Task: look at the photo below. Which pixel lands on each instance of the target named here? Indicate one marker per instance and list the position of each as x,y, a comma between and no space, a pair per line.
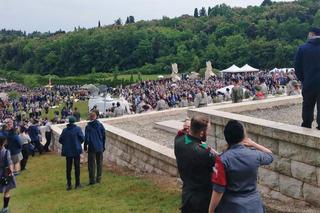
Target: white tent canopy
248,68
232,69
284,70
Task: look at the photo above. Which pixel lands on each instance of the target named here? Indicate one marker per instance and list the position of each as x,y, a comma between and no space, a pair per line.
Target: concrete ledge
294,174
170,126
290,133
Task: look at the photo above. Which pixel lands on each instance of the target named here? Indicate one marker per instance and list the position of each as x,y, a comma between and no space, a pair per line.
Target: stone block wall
294,174
128,150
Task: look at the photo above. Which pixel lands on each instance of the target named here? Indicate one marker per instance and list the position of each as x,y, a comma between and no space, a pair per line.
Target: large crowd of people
23,112
144,96
212,181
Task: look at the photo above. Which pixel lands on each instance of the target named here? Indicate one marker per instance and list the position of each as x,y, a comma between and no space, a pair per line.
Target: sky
52,15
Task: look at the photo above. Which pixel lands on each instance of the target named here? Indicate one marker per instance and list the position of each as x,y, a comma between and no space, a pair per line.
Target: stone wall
294,174
128,150
293,177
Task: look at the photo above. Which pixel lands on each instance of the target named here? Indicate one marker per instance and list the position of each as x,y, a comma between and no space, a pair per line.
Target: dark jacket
95,137
307,65
71,139
14,143
195,163
34,133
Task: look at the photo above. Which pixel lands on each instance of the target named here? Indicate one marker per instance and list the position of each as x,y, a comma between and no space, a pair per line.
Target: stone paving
145,128
283,114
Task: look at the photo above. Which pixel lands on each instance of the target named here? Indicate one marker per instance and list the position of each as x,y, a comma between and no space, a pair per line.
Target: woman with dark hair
235,174
7,179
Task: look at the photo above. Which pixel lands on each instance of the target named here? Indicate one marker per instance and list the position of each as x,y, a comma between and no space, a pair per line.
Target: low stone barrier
129,150
293,177
294,174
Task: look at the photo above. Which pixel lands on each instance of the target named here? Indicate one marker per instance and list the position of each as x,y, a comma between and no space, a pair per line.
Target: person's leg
99,158
25,154
77,170
68,171
91,167
48,141
38,146
6,199
17,168
309,101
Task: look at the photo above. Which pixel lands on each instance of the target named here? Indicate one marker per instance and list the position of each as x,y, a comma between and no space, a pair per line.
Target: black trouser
196,201
310,99
76,161
95,159
48,141
25,154
38,146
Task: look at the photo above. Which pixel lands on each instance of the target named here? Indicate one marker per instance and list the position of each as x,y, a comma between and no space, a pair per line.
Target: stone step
171,126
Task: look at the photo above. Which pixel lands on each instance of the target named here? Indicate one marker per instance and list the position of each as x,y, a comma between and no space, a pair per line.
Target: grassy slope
81,105
42,189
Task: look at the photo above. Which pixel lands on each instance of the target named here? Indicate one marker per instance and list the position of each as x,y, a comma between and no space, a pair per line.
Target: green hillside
263,36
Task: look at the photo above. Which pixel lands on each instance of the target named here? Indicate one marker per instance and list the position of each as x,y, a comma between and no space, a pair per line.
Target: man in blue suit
71,139
307,66
95,138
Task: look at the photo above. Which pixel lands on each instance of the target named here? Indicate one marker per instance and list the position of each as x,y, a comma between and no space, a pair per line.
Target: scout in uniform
195,161
235,174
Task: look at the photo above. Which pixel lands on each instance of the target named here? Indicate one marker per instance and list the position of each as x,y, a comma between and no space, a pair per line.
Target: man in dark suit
71,139
307,66
95,138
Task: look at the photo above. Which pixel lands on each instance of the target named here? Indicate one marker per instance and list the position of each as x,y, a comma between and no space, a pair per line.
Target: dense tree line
264,36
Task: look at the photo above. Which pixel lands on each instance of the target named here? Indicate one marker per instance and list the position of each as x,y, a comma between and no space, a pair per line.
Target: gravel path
284,114
144,127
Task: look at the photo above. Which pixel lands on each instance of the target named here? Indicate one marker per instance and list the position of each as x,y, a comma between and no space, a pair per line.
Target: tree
131,77
196,13
209,11
203,12
139,77
196,64
131,19
316,20
99,24
118,22
266,3
115,73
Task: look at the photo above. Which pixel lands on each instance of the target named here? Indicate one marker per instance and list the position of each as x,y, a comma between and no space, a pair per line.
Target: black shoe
69,188
91,183
98,181
79,186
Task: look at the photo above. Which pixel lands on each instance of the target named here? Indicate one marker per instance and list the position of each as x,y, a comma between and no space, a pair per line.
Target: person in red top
234,180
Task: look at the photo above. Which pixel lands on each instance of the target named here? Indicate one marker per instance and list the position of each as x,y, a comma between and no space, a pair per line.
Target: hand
213,151
248,142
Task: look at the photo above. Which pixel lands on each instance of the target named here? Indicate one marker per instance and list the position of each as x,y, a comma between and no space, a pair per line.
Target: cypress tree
196,13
